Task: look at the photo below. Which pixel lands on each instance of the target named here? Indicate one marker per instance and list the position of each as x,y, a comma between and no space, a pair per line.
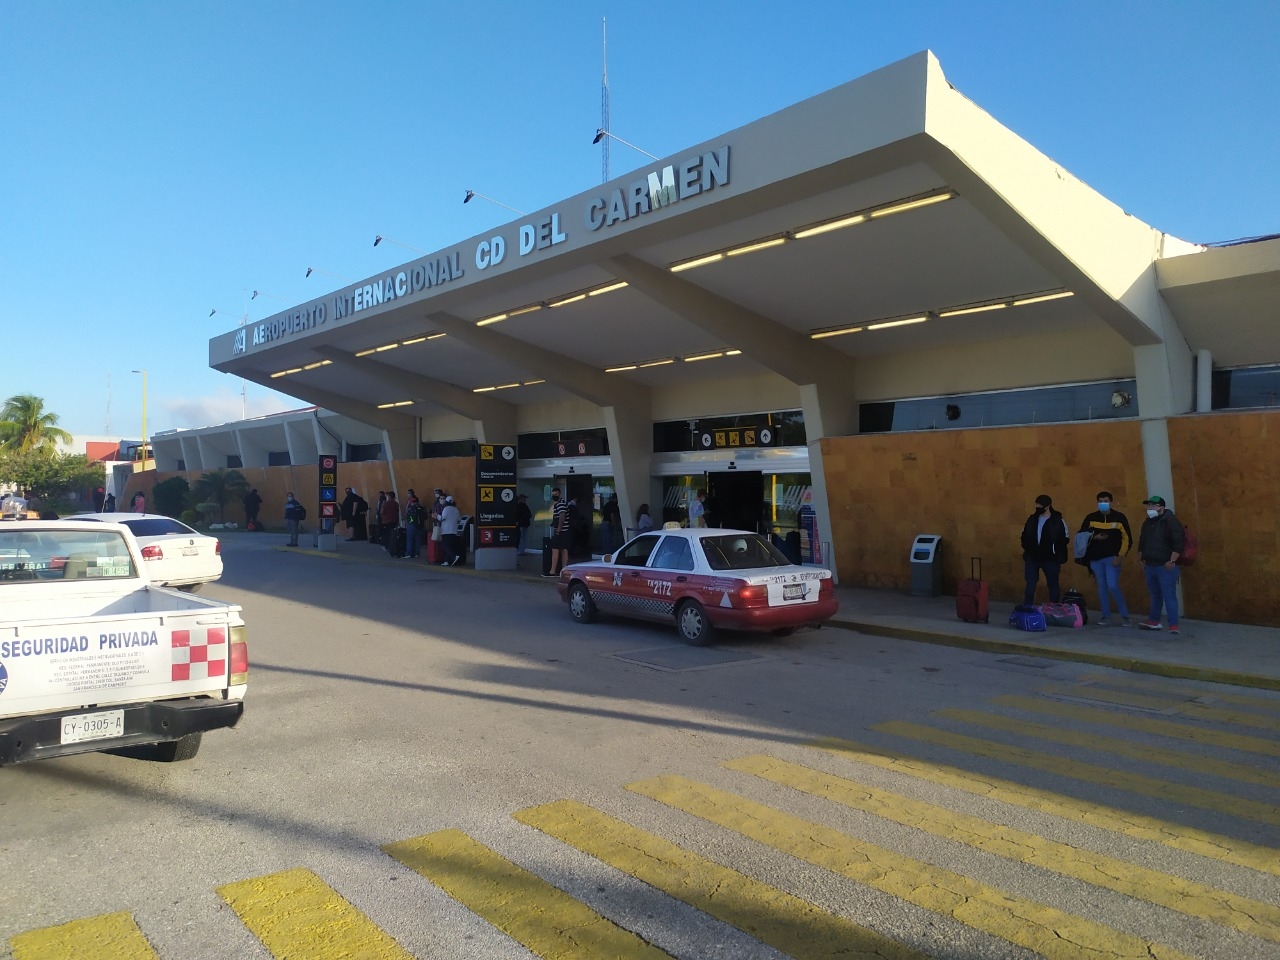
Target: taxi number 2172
660,588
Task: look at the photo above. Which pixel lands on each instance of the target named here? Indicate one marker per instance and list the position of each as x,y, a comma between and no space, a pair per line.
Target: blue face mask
1104,507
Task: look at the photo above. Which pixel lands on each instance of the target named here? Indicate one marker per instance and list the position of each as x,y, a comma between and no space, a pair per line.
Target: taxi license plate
795,591
190,551
92,726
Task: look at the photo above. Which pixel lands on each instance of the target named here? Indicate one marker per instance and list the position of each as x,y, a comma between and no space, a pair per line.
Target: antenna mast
604,100
106,429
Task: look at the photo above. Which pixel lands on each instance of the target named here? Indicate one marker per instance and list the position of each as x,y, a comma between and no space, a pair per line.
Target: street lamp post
144,417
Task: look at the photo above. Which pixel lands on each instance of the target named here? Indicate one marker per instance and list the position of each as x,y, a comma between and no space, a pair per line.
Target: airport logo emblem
4,678
239,345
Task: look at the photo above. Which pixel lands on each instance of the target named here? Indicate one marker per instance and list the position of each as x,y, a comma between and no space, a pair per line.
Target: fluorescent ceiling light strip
574,299
831,225
1041,298
896,323
838,332
365,353
752,247
733,353
961,311
912,204
703,356
403,403
434,336
483,389
506,386
620,369
488,320
312,366
530,383
657,363
690,264
407,343
611,287
523,310
385,347
385,406
279,373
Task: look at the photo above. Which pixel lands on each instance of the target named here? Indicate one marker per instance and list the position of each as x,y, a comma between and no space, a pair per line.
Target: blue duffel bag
1027,618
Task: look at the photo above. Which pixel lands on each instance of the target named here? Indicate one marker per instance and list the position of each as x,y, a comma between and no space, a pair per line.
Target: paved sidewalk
1220,652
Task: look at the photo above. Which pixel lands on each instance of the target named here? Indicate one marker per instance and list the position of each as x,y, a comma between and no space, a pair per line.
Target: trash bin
926,565
466,538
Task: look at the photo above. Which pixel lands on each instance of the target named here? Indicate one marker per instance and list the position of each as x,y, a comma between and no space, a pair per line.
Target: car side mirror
607,558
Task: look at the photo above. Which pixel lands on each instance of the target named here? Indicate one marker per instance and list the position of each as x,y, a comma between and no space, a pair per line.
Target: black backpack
301,511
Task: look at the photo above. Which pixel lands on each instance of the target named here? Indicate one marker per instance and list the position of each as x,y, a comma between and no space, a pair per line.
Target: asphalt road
431,757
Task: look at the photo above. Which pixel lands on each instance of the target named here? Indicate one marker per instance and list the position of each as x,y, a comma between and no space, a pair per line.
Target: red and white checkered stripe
197,657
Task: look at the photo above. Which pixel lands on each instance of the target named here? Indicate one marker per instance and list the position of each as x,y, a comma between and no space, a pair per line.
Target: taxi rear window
742,552
27,555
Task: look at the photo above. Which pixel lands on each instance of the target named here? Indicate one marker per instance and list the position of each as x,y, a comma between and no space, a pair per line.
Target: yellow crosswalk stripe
1160,685
522,905
1088,772
1187,708
1185,896
787,923
111,936
1048,931
1194,763
1192,733
1212,846
298,916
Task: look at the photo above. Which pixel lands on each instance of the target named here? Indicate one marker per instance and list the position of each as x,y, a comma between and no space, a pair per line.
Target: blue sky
162,160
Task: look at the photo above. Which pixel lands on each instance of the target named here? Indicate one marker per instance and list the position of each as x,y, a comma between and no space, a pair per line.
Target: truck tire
191,587
175,751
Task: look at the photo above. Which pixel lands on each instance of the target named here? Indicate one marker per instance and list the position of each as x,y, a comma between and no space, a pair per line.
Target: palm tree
220,487
25,427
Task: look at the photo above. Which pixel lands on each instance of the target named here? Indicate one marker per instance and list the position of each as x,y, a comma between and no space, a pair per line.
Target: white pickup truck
93,656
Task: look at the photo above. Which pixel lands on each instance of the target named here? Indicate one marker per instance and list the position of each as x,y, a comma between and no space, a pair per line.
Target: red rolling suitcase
973,594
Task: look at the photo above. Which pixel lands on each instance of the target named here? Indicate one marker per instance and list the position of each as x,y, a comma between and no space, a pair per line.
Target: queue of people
1102,543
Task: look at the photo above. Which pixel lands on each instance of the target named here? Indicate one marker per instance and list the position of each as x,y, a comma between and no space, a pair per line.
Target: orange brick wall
976,488
1226,475
456,475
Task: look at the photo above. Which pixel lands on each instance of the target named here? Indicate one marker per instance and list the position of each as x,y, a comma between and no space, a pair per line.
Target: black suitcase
546,556
396,542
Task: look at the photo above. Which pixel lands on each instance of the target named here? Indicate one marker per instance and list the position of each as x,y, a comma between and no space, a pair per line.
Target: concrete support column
828,412
191,454
325,441
302,443
630,432
400,444
1204,382
210,459
251,454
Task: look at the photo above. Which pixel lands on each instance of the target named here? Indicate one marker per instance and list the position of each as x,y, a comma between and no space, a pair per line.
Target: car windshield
742,551
63,555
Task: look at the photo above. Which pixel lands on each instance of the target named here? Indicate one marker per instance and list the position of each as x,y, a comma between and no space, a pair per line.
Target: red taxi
703,579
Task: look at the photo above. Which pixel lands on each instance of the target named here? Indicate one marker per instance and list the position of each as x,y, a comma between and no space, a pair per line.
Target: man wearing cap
1160,543
450,516
1044,547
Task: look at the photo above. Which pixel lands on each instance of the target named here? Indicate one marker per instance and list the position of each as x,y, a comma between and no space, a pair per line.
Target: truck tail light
152,552
753,595
239,666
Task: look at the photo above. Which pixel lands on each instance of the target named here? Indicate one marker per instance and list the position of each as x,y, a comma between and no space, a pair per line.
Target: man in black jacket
1160,543
1044,547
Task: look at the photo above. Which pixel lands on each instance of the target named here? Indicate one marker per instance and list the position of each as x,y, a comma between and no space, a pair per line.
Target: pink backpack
1062,615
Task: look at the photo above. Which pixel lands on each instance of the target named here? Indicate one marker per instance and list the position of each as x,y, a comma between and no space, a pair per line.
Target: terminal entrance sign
495,495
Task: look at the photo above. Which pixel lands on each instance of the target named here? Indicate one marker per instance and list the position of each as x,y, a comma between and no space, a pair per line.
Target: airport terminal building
878,307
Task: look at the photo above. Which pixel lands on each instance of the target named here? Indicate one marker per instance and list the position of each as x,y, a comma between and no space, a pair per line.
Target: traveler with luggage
1044,547
1110,539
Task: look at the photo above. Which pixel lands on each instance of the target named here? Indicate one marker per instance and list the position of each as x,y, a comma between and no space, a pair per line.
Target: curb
1178,671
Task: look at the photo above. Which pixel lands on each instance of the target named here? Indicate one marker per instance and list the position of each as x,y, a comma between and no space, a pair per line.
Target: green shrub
190,518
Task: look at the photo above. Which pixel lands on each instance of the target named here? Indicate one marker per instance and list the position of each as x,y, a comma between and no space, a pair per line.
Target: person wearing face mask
1110,539
1044,547
1160,543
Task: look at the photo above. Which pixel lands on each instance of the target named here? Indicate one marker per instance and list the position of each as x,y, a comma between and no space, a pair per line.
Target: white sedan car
176,555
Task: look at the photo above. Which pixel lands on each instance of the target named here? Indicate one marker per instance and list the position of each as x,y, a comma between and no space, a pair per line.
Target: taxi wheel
191,587
581,607
692,622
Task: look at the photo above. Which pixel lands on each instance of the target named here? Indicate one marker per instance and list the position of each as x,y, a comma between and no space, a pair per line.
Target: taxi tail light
152,552
239,666
217,548
826,587
753,595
